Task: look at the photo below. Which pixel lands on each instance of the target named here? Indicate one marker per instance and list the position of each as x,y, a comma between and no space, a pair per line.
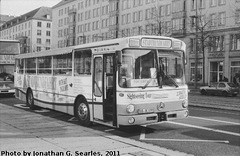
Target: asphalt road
206,132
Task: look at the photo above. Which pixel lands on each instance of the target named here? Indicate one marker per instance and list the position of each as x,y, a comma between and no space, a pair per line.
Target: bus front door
104,89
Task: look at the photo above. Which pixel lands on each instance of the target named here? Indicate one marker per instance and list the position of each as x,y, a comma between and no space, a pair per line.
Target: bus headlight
130,108
184,103
131,120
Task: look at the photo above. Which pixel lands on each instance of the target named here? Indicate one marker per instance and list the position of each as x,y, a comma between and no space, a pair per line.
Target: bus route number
112,153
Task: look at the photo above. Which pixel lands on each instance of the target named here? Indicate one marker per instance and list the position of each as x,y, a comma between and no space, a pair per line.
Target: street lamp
196,46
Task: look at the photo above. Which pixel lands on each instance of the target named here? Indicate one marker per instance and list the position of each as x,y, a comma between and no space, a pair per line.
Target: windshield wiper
172,80
149,80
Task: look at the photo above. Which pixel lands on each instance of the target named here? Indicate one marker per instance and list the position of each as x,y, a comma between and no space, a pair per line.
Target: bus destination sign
158,43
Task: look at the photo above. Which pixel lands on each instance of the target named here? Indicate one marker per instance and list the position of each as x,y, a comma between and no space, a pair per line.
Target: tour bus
8,50
135,80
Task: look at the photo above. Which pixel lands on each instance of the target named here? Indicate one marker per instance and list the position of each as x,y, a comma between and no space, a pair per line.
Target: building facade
33,29
216,23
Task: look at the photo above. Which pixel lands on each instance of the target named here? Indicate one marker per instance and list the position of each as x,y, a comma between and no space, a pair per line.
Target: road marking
215,111
205,128
142,137
186,140
228,122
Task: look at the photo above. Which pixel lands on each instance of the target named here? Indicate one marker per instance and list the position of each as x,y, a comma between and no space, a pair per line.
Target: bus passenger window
62,64
82,62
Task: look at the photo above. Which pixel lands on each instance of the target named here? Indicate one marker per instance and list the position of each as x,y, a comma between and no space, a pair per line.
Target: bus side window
82,62
62,64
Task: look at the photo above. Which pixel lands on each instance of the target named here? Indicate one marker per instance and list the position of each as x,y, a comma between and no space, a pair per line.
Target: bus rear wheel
30,99
82,112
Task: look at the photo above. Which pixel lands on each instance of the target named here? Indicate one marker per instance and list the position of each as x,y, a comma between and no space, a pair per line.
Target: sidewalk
23,132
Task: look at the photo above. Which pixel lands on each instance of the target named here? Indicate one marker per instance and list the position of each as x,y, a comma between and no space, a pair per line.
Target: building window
237,16
148,30
39,24
199,71
48,33
148,14
202,4
39,41
161,11
128,18
38,48
39,32
217,43
124,4
213,20
47,41
140,15
135,3
168,9
48,25
222,2
222,18
153,12
213,3
235,72
135,16
193,4
235,42
124,17
216,71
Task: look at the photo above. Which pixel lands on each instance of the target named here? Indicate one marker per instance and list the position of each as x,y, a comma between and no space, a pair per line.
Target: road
207,131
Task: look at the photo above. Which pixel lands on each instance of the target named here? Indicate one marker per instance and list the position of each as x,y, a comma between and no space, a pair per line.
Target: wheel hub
82,111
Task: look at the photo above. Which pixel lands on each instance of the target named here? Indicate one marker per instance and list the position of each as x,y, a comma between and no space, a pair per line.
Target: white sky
20,7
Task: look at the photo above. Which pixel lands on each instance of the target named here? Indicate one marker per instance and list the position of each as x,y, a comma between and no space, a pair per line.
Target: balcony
72,11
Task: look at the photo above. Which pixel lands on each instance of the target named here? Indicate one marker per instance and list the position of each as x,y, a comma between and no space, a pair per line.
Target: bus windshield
151,68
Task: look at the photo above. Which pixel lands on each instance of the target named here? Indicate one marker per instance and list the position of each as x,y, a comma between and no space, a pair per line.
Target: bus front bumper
142,119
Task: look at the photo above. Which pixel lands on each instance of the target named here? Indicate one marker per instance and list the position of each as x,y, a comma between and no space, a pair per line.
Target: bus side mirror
119,57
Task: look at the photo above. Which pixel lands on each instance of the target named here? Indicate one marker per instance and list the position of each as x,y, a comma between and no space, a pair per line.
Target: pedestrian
225,79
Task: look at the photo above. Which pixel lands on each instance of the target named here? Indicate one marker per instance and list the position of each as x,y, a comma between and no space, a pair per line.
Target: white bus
127,81
8,50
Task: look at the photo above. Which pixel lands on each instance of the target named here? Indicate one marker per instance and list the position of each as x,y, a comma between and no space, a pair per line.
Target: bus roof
65,50
46,53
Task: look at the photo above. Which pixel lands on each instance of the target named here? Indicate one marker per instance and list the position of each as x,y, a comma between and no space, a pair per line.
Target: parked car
220,88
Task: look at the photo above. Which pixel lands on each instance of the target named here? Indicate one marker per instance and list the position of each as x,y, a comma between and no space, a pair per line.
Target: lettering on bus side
138,96
63,85
147,96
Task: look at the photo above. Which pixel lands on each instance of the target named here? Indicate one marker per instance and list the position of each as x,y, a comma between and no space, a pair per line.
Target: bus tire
30,99
82,112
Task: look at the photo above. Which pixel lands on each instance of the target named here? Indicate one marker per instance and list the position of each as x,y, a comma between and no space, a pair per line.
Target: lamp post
196,47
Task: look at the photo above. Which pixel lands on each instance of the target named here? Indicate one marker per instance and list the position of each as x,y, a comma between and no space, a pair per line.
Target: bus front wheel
82,112
30,99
